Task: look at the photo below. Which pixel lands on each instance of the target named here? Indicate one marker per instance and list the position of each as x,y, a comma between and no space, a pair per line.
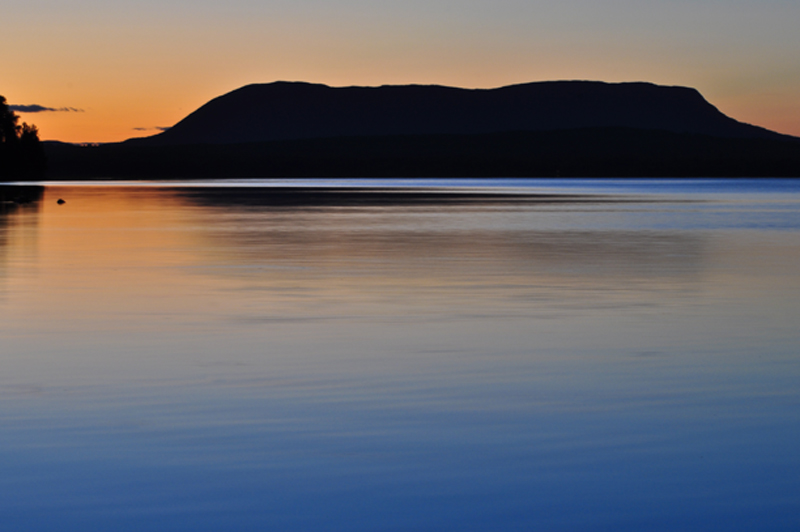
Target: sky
108,70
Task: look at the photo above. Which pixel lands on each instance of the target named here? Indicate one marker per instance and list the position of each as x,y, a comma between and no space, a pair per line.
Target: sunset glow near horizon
114,70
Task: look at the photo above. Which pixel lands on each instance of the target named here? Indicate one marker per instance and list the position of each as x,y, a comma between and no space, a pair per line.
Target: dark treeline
593,152
22,156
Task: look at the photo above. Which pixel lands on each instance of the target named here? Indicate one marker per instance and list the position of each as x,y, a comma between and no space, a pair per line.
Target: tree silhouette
21,152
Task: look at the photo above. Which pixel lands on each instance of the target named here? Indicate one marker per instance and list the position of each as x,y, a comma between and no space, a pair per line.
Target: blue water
394,355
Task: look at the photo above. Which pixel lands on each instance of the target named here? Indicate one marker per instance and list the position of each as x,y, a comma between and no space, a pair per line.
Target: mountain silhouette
293,110
548,129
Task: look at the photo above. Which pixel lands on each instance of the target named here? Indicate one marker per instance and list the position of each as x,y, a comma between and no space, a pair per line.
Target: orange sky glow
132,69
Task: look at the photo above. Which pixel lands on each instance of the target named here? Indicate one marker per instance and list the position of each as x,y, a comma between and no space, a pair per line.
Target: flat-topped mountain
292,111
550,129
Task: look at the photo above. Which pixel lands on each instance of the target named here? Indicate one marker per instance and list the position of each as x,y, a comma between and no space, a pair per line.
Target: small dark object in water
61,202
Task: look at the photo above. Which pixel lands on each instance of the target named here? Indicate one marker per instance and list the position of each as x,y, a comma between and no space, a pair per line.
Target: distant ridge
548,129
293,111
590,152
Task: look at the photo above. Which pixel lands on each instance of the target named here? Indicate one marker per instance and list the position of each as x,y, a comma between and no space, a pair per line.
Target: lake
389,355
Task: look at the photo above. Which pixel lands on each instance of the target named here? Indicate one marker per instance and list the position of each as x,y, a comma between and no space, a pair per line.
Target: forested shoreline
22,155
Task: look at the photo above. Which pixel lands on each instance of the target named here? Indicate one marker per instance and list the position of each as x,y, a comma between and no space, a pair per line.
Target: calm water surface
370,356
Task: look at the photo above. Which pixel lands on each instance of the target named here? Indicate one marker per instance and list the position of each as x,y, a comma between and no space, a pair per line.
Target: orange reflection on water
140,255
103,253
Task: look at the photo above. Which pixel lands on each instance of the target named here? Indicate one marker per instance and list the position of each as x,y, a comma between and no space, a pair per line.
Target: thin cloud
150,128
36,108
